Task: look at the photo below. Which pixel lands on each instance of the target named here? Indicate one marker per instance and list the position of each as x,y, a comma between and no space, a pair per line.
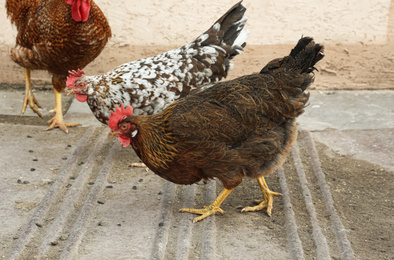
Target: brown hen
243,127
57,36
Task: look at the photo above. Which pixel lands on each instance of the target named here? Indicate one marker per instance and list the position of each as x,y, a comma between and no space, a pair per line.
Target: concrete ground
76,196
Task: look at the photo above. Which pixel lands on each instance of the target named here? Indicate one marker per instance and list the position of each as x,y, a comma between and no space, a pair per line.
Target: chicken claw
205,212
267,201
57,120
29,96
211,209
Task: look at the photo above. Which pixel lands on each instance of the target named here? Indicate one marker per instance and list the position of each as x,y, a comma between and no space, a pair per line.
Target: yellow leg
57,120
268,198
212,208
29,96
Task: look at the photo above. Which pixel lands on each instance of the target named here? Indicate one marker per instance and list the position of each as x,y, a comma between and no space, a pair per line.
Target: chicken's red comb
119,114
73,77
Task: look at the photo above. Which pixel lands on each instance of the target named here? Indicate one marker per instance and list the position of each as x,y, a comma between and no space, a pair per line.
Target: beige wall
171,22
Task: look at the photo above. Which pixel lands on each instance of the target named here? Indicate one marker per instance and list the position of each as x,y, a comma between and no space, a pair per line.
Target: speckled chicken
150,84
57,36
243,127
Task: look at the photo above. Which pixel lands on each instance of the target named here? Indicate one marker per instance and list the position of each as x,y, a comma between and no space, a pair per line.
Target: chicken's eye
124,127
81,85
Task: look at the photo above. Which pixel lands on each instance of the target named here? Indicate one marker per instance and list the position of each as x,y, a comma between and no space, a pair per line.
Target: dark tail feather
301,60
232,24
229,30
306,54
226,39
303,57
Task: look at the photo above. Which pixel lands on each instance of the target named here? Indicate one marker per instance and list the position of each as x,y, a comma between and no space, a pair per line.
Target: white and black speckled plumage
149,85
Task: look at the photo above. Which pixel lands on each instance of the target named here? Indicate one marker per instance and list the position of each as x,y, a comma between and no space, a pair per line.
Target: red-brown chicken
57,36
242,127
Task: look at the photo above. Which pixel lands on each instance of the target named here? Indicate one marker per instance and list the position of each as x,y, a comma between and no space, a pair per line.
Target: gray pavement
76,196
359,123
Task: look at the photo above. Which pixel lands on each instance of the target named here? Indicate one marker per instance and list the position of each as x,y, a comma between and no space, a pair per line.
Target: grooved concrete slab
83,200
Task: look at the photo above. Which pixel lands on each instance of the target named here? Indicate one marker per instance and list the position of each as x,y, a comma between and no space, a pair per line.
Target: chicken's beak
68,92
113,134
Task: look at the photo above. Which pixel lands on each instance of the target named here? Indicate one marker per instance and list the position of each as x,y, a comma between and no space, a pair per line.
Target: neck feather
155,143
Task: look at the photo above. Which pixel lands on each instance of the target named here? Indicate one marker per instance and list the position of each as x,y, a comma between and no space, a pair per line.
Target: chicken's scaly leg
268,198
212,208
57,120
29,96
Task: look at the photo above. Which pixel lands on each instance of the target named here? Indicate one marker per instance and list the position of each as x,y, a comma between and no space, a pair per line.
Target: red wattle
85,8
80,9
76,15
124,141
81,98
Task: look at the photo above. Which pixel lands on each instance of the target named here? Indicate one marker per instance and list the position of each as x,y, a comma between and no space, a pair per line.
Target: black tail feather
232,23
229,29
303,57
306,54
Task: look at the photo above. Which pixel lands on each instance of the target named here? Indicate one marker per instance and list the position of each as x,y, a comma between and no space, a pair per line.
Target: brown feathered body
57,36
50,39
242,127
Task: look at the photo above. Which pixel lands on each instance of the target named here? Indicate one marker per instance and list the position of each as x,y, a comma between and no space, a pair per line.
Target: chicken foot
211,209
268,198
29,96
57,120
